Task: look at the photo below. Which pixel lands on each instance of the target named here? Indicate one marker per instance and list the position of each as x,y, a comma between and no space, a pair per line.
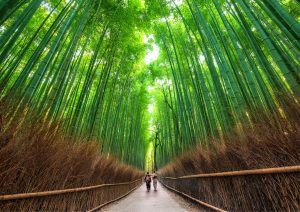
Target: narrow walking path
142,201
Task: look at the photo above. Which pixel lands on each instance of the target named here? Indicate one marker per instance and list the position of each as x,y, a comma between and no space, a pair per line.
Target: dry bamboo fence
266,171
114,200
278,170
125,187
194,199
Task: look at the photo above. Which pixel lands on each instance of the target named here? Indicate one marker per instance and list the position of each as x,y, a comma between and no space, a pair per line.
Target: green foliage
81,62
225,59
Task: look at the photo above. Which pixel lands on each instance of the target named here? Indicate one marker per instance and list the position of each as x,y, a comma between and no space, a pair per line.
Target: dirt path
142,201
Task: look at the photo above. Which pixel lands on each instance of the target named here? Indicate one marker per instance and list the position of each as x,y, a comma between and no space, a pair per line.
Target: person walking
147,180
154,177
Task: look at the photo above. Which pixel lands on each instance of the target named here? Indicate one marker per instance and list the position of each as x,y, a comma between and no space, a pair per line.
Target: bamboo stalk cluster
72,62
227,61
80,63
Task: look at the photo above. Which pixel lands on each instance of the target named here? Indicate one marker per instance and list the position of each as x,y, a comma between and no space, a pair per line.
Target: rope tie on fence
58,192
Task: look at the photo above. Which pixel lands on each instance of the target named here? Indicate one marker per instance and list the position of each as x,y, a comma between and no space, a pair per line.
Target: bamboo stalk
278,170
57,192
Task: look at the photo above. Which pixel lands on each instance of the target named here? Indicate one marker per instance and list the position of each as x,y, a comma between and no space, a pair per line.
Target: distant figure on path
154,177
147,180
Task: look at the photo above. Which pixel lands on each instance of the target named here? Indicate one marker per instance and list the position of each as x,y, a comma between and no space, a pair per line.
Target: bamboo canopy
81,63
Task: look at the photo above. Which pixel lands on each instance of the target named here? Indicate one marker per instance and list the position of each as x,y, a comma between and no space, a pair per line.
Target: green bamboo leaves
80,63
227,59
74,68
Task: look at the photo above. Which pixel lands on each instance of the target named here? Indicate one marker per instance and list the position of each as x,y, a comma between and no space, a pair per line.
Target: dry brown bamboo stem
278,170
57,192
194,199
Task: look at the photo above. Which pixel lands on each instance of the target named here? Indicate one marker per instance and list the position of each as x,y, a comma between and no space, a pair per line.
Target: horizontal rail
57,192
105,204
278,170
194,199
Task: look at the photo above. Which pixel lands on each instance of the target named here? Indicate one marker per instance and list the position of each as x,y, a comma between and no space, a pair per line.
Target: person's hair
147,172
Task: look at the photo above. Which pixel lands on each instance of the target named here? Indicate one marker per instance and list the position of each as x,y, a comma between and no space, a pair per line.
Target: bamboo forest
99,92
